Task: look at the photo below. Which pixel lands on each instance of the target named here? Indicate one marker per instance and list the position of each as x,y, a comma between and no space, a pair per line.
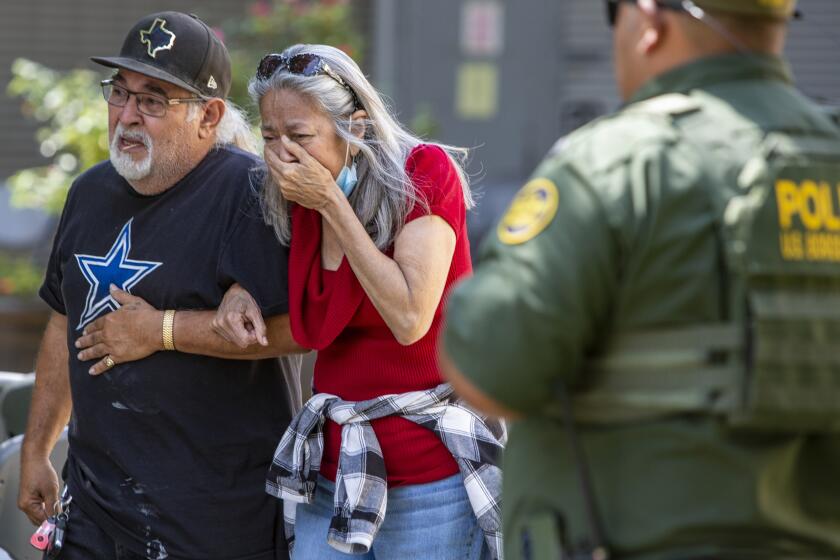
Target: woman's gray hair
384,195
234,127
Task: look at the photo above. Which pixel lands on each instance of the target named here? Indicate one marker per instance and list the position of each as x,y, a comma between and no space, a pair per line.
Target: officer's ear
211,116
653,26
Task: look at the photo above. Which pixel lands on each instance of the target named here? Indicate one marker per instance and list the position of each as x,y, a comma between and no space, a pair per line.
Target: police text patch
531,211
809,220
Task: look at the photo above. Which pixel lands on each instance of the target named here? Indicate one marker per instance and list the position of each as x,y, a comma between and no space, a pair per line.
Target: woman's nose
282,153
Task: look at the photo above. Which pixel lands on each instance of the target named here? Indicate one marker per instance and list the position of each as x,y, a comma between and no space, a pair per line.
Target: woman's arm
405,289
134,331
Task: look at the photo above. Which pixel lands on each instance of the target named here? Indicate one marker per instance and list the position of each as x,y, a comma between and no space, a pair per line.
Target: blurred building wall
552,71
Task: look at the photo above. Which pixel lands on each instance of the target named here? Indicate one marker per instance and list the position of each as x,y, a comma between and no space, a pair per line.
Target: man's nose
128,113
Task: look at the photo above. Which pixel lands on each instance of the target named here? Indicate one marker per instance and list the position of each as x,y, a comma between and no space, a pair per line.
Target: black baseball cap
176,48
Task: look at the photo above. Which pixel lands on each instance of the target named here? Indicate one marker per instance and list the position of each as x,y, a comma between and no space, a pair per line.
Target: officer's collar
712,70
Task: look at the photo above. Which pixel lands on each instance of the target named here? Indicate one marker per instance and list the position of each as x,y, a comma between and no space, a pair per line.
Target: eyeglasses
304,64
148,104
612,8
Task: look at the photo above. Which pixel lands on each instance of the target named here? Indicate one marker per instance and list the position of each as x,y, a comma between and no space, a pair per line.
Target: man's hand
130,333
239,320
38,494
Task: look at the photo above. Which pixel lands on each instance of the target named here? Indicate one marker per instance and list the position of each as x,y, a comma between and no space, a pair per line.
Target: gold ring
109,362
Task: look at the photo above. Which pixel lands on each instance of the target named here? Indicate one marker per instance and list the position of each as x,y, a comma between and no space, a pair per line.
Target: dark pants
84,540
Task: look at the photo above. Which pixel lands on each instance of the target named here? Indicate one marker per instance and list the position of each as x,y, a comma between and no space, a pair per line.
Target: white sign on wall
482,27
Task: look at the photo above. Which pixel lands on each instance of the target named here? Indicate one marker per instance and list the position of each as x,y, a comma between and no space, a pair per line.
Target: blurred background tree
74,134
272,25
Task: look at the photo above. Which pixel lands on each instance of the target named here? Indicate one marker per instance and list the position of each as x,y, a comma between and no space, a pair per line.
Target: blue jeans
431,521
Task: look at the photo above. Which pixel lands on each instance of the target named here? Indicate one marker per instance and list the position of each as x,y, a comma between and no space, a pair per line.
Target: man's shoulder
231,159
91,181
241,159
102,171
233,174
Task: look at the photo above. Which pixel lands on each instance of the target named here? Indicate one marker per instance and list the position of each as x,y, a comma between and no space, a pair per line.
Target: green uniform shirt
615,233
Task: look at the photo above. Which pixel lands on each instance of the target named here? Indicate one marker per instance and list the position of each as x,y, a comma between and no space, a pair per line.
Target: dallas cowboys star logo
157,37
114,268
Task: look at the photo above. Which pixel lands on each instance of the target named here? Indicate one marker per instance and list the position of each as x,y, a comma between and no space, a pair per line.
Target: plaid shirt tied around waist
361,490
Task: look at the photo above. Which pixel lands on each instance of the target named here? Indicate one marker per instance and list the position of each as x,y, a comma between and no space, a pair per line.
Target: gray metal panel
556,71
427,54
813,49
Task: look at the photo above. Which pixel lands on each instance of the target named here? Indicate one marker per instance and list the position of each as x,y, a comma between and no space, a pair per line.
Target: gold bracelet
169,329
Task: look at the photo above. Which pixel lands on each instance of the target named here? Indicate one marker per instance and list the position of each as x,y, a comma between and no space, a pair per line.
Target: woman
376,224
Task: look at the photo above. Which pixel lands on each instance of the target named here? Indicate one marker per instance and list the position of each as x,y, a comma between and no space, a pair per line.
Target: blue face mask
348,178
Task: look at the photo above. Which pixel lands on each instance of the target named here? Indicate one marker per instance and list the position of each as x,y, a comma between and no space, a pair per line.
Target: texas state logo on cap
177,48
157,37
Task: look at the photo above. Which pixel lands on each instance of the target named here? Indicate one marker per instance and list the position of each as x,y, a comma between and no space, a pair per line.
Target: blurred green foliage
424,124
272,25
19,276
74,135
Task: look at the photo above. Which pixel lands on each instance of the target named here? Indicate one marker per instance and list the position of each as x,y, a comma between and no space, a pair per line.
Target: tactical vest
775,363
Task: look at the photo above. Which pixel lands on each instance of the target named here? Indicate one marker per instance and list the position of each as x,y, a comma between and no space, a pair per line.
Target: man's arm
135,331
48,414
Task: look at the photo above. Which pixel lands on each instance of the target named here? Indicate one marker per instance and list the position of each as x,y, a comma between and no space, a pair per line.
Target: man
654,309
167,454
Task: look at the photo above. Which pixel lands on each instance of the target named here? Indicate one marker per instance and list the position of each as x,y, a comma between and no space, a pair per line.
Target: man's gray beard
164,163
125,165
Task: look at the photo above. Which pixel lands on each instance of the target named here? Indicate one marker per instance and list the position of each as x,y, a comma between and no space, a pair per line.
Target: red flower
262,8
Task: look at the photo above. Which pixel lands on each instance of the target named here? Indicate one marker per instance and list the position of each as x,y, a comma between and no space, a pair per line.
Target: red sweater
358,356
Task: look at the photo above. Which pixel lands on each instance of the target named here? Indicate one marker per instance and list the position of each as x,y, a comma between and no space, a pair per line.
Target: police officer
659,308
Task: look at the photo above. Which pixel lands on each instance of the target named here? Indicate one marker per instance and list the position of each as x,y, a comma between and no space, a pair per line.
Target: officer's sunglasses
612,8
677,5
149,104
304,64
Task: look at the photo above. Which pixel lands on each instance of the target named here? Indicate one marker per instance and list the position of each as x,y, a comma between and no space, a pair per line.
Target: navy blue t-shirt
169,454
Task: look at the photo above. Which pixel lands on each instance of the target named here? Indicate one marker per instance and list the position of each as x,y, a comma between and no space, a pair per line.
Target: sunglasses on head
303,64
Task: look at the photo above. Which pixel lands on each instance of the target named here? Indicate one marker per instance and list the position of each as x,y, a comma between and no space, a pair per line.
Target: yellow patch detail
531,211
809,219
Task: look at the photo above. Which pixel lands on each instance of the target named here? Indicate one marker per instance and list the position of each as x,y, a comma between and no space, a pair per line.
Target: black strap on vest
597,547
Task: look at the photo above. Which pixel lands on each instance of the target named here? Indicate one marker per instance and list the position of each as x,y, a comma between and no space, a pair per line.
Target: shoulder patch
669,104
533,208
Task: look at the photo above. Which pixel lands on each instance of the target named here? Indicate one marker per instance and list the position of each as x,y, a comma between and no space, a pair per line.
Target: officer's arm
543,287
469,392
